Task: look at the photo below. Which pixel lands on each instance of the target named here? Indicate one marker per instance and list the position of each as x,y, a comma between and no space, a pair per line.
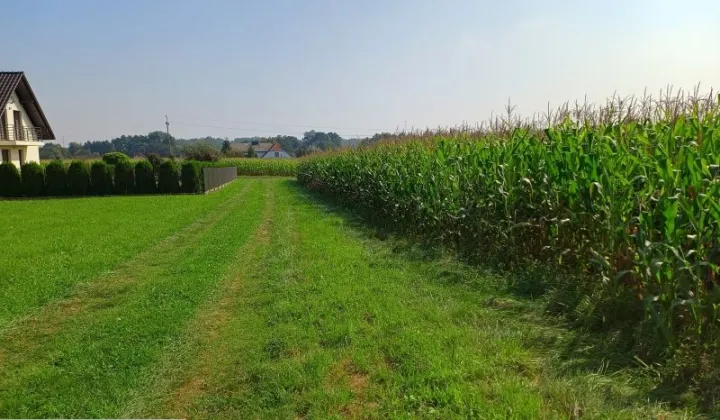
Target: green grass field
261,301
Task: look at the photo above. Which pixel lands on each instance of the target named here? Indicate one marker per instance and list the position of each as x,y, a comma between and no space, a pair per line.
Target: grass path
274,305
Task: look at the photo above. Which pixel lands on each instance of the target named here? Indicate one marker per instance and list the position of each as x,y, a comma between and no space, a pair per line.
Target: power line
247,129
280,125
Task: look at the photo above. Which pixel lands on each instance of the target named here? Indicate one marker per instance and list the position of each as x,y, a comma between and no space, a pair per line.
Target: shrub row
100,178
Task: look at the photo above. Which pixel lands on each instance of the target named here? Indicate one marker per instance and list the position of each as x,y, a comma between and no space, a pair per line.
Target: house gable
15,87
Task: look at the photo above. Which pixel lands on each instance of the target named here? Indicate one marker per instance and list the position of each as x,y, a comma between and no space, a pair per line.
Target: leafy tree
226,147
113,158
317,140
77,150
250,153
99,147
52,151
201,152
290,144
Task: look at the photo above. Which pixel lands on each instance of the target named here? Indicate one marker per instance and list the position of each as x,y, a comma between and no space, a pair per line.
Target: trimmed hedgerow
113,158
78,178
191,176
144,178
124,177
33,179
169,178
101,178
155,160
56,178
10,182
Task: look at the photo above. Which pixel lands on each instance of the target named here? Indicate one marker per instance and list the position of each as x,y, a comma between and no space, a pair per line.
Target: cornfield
269,167
622,202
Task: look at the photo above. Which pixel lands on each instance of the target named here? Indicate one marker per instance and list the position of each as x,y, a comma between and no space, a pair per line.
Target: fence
214,178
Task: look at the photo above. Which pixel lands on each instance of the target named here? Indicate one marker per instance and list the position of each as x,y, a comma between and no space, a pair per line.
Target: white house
23,126
274,152
263,150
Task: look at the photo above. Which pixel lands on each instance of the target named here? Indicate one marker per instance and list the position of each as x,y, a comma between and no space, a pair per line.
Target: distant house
263,150
23,126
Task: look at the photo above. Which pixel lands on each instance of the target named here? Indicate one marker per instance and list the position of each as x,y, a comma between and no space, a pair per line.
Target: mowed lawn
261,301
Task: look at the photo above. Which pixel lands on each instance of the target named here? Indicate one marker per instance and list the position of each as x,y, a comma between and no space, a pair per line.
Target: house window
277,154
21,157
5,156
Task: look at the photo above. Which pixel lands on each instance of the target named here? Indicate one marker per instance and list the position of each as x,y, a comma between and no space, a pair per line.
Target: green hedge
169,178
144,178
10,182
78,178
124,177
56,179
191,175
101,178
33,179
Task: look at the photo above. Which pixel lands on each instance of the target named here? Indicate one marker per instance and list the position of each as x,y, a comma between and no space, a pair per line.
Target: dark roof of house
260,147
15,81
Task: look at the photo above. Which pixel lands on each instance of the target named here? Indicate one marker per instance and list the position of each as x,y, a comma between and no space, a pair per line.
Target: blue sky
236,68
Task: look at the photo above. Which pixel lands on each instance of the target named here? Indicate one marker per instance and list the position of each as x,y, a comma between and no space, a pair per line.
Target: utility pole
171,142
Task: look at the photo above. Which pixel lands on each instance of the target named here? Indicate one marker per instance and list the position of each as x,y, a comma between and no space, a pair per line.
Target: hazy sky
237,68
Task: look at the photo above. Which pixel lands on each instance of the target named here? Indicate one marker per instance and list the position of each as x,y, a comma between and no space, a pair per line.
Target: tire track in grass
216,374
108,289
98,235
340,325
115,281
184,373
90,363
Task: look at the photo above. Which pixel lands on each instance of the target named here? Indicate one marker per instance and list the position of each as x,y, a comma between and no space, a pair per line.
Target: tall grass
620,204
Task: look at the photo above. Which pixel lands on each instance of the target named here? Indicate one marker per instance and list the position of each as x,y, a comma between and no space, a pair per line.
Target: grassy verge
83,355
275,304
49,246
329,322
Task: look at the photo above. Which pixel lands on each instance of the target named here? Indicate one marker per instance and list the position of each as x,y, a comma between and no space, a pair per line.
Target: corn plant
623,200
266,167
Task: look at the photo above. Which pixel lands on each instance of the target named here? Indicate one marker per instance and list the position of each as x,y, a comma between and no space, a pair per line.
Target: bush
191,175
10,182
169,177
56,179
124,177
78,178
113,158
202,152
101,178
33,179
144,177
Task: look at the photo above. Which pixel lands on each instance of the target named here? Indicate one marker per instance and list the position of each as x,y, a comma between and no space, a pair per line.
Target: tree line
163,144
